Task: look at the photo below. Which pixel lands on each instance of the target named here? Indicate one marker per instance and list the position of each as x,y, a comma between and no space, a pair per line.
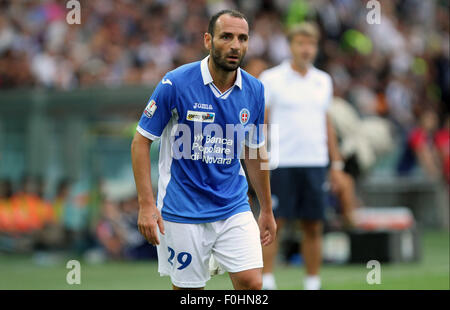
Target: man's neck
300,68
221,78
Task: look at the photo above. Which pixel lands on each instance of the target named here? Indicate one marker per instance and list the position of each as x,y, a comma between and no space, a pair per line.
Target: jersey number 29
184,258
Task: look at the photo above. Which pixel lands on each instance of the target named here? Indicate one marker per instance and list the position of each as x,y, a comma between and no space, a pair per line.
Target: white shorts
184,251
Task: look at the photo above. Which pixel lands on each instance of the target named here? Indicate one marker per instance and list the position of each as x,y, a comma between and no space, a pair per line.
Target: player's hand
337,180
267,227
149,220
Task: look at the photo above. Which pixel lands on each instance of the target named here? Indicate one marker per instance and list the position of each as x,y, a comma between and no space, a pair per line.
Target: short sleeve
255,137
158,111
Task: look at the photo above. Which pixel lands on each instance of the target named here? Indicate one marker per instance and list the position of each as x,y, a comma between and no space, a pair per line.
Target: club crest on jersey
198,116
150,109
244,116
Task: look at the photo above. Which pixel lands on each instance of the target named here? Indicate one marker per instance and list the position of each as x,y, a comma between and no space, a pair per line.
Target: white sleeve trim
146,134
253,145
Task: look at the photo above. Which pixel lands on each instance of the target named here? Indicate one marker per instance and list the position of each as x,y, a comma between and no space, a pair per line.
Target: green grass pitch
432,272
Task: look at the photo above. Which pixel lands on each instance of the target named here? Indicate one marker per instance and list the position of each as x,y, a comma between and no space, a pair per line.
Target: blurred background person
298,96
6,218
420,150
442,143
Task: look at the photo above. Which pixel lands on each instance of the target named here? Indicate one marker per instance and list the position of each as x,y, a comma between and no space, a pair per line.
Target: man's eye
243,39
226,36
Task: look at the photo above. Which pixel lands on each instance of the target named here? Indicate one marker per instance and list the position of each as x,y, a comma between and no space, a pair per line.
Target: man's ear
207,41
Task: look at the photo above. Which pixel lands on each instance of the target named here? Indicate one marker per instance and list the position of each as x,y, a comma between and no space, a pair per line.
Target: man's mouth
233,57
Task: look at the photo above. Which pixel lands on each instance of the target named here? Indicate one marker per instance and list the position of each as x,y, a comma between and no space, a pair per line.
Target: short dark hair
213,20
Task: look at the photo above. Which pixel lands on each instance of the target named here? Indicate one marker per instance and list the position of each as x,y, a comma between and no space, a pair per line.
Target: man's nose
235,44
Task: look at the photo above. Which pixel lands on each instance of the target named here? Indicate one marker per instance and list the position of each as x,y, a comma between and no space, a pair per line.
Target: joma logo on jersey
197,116
150,109
202,106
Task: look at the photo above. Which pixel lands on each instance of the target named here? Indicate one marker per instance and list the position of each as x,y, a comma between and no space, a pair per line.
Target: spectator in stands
135,245
76,216
107,232
420,150
62,194
30,211
442,143
52,236
118,234
6,220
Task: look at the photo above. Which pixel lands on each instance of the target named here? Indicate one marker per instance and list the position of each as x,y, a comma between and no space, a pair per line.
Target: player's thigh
238,245
183,254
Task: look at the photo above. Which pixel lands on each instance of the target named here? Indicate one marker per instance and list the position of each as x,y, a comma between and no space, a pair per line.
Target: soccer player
297,98
206,113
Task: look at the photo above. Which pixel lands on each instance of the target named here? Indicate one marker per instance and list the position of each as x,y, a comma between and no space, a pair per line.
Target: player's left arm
257,164
258,175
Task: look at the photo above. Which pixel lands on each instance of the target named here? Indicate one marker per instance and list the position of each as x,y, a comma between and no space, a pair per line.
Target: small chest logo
197,116
205,106
244,116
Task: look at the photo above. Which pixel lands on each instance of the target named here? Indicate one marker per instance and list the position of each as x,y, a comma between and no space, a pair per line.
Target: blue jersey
202,135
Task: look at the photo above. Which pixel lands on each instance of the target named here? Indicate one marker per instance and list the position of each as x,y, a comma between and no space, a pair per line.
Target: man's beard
222,63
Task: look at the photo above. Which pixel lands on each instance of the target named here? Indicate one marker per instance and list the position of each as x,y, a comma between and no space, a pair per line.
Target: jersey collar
207,78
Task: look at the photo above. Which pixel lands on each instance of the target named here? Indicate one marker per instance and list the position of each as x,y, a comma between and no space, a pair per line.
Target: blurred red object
384,218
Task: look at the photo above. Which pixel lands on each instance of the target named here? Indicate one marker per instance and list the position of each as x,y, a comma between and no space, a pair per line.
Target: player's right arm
151,125
149,218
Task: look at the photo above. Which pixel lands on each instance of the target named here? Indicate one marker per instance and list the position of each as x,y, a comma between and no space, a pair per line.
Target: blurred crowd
77,219
395,72
395,69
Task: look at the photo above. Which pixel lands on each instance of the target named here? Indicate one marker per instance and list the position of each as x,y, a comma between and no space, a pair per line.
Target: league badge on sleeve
244,116
150,109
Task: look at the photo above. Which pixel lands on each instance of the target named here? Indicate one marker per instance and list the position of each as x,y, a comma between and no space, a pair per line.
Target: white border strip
146,134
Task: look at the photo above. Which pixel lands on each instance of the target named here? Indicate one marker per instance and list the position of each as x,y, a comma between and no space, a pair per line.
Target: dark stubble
221,61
